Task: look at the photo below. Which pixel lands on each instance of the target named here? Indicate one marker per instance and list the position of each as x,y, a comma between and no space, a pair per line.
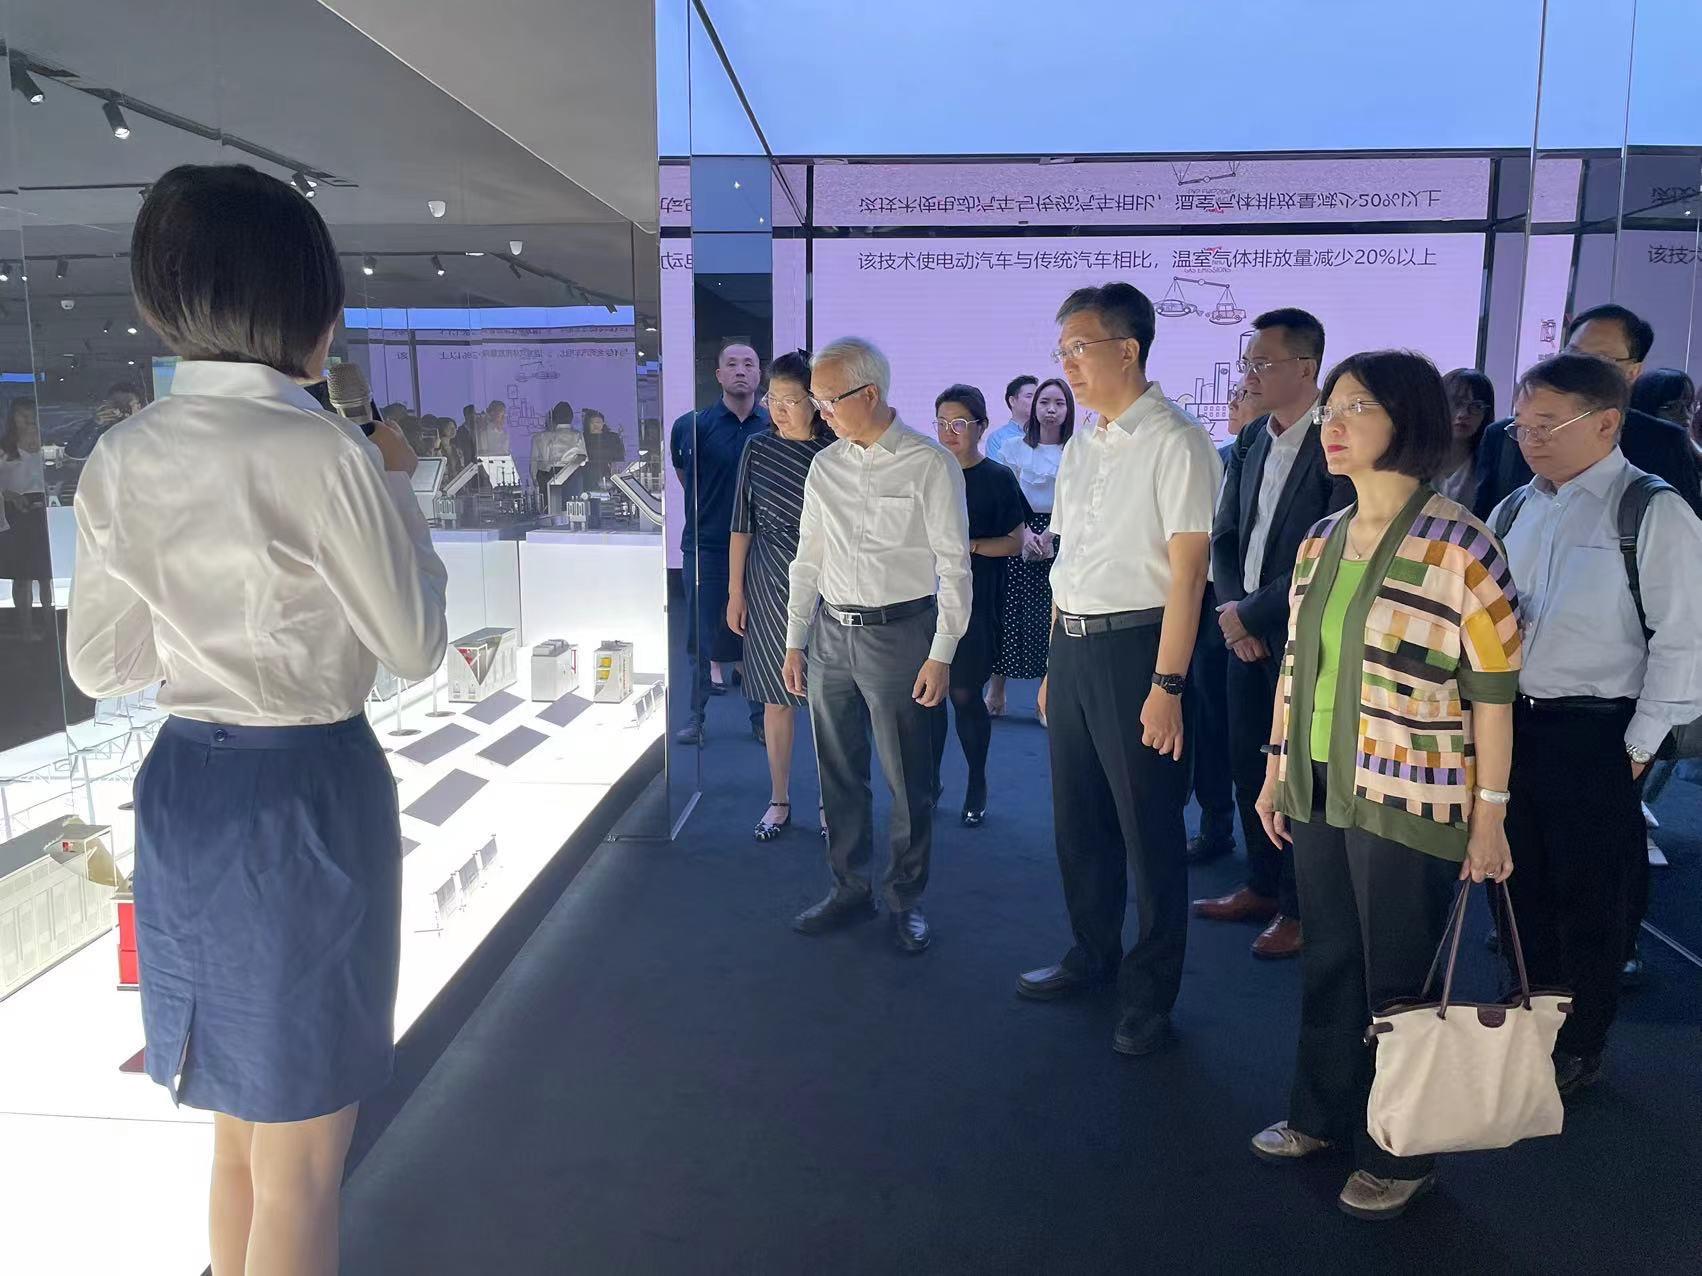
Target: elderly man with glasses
1612,663
883,547
1655,446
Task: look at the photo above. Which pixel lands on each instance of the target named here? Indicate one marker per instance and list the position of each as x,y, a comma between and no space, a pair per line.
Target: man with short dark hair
1275,489
1019,400
1600,689
706,447
1133,518
1654,446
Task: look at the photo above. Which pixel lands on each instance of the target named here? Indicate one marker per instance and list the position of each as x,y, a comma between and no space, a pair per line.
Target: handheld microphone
350,396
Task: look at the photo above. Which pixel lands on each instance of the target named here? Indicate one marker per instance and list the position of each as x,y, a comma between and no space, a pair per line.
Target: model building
56,889
614,672
555,669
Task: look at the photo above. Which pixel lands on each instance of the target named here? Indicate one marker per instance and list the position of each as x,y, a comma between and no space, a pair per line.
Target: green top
1348,577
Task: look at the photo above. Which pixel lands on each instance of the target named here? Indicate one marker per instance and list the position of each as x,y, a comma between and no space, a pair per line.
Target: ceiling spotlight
115,117
761,220
131,331
475,254
304,184
437,265
106,328
5,272
436,207
61,268
131,362
737,185
611,307
368,264
650,328
23,83
514,246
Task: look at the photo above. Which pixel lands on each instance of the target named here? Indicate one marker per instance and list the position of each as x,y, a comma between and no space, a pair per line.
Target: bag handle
1451,945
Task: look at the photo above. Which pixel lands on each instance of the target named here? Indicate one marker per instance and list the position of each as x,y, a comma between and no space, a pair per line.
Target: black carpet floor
668,1080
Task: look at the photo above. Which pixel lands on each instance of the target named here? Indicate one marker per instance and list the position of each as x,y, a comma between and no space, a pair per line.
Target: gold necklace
1355,554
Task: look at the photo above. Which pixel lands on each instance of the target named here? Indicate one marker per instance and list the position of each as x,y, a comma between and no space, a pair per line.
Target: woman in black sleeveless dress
997,513
767,504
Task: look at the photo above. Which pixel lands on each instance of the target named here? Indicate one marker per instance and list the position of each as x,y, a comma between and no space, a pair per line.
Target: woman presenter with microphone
260,556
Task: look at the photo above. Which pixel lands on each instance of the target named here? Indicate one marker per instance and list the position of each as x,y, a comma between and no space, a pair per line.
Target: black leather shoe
832,914
1573,1073
1146,1035
911,931
1206,848
690,734
1053,982
972,819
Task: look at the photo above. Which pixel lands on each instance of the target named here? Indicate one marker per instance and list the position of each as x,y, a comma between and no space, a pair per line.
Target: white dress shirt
249,549
1036,470
26,475
1124,489
1581,632
1279,464
881,525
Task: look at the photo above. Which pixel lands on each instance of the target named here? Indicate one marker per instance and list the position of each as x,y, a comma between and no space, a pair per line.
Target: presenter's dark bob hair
229,264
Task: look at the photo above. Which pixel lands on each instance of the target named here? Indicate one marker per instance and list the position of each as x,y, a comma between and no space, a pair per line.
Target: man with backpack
1608,562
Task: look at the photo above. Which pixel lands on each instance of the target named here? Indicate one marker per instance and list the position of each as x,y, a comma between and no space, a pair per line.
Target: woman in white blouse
260,557
1027,623
1471,400
24,554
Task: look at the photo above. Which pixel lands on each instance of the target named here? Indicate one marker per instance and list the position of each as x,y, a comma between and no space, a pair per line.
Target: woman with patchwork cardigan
1390,747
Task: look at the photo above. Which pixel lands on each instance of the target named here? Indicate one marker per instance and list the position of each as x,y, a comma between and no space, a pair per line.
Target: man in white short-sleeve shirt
1133,516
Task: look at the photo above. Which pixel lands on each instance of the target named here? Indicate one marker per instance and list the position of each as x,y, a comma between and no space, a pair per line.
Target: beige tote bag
1461,1077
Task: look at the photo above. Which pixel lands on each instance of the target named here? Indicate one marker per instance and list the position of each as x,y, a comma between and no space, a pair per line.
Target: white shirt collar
1130,417
1295,435
220,379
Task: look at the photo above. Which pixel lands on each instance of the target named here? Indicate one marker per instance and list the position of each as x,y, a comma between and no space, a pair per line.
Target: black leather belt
860,617
1088,626
1578,704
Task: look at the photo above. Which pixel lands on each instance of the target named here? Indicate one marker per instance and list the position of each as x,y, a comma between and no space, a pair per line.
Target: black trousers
1375,912
1207,737
1575,827
1117,811
1252,691
704,574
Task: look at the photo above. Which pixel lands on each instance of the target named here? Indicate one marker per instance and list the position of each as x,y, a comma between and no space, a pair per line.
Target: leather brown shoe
1240,906
1279,940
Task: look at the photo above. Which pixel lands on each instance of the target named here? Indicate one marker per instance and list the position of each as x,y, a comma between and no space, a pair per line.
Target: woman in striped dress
767,503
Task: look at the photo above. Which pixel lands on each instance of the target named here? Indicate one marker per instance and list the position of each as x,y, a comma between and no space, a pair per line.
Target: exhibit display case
503,315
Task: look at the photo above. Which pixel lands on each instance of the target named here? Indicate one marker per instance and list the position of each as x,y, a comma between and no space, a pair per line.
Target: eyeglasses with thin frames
1262,366
956,426
1076,349
791,402
1348,412
827,407
1521,433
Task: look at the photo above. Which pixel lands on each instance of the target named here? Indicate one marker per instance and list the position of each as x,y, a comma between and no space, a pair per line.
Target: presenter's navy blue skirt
268,916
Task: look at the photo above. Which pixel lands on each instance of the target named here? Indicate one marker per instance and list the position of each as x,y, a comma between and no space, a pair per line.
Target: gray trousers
860,682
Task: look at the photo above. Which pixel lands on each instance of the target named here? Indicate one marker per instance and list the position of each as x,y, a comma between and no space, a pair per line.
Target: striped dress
768,500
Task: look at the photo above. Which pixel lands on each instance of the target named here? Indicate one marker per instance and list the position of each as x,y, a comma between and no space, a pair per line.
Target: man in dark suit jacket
1652,445
1275,488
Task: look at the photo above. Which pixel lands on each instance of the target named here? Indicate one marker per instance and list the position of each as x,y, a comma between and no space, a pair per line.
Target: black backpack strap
1632,506
1508,512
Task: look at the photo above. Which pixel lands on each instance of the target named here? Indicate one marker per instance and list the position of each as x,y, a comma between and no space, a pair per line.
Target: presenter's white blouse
249,549
1036,469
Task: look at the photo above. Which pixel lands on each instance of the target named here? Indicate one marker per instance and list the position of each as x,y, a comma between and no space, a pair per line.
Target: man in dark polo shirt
706,446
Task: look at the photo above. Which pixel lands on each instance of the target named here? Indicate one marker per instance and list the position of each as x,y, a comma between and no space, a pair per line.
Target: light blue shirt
993,445
1580,624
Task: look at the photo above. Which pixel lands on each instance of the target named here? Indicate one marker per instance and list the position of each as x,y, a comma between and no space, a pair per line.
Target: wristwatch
1171,682
1639,757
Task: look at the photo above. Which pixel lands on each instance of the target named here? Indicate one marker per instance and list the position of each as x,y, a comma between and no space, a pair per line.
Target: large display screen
981,310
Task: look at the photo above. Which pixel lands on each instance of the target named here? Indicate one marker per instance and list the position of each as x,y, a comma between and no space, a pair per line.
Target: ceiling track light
515,269
24,83
5,272
61,268
369,265
303,183
106,328
115,117
437,265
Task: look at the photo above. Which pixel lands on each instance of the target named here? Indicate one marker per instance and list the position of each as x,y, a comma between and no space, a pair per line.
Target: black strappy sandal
766,832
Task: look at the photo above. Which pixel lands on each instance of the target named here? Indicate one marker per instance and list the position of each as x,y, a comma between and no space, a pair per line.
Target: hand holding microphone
353,400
